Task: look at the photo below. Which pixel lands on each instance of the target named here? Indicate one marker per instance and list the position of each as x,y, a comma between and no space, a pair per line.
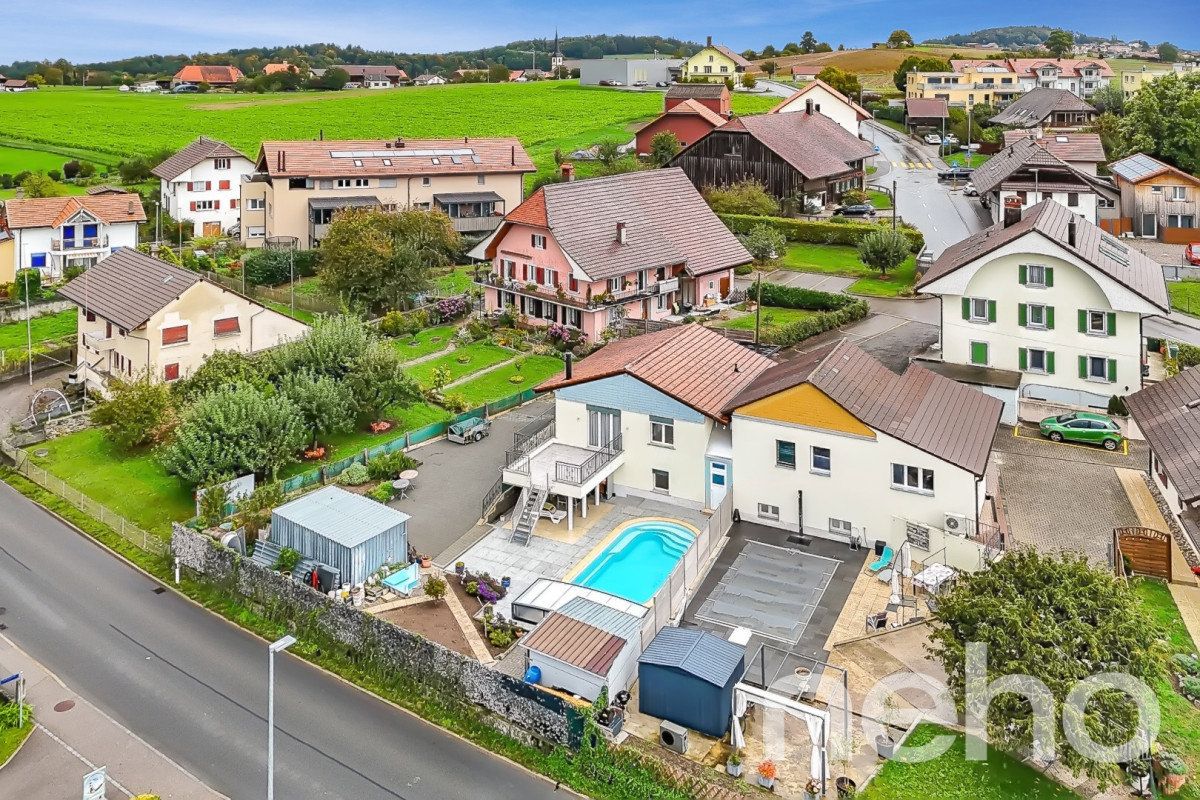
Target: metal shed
687,676
349,532
584,647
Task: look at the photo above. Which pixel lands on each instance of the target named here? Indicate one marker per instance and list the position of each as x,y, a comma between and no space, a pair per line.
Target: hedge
790,334
774,294
818,231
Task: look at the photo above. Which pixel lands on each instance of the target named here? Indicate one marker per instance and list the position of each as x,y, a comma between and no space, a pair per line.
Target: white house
835,445
828,101
202,185
429,79
54,233
1025,173
1049,303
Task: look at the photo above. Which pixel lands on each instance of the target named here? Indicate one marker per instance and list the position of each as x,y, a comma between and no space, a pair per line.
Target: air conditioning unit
956,524
672,736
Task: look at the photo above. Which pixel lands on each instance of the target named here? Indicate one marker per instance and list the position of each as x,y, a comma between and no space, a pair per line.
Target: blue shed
687,676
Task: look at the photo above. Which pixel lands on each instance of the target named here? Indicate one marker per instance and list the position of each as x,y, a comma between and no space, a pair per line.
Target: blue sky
106,30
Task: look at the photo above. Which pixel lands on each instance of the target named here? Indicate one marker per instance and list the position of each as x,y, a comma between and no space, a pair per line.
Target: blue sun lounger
884,560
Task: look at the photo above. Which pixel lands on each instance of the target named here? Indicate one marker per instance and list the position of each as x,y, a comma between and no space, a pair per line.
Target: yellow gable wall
8,262
808,406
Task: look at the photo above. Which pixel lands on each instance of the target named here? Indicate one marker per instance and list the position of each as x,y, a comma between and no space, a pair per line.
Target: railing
475,224
521,449
579,474
96,339
552,293
79,244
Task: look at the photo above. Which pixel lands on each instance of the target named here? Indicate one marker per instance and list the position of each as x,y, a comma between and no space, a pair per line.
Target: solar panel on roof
400,152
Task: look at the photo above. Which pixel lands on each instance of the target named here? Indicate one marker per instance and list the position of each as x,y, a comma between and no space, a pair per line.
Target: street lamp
275,647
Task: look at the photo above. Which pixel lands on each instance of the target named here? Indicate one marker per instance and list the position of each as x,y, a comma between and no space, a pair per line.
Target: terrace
532,289
563,469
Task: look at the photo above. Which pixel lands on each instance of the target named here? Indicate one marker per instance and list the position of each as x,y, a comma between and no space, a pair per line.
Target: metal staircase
529,508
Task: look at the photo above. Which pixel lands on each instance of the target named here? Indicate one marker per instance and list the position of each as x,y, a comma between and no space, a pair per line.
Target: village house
691,110
587,254
987,82
715,62
1158,201
298,186
793,155
283,66
1083,151
1028,173
54,234
926,113
1168,415
218,77
803,73
202,184
141,316
17,85
373,76
713,96
1082,77
1047,109
428,79
1045,305
828,101
627,71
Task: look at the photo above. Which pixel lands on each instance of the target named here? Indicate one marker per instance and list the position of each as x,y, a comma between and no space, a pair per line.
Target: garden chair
885,558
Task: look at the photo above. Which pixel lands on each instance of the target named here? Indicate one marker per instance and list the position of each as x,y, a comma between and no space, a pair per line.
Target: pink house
586,254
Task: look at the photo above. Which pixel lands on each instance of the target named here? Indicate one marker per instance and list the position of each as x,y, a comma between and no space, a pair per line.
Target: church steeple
556,57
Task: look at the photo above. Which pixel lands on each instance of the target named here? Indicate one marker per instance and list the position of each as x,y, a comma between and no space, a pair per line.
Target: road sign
10,678
94,783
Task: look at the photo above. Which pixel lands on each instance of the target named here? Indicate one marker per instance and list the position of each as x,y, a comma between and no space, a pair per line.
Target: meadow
543,115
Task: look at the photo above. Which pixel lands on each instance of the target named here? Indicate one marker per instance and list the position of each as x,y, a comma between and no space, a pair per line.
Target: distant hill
1014,37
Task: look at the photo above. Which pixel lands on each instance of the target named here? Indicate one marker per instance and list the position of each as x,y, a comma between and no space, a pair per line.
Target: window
1035,316
220,163
1035,360
821,460
226,327
912,479
573,283
1105,202
1073,199
539,241
1097,323
767,511
204,205
37,260
171,372
481,180
299,183
91,316
426,181
1179,193
344,183
1181,221
841,527
256,204
1035,275
662,480
223,185
978,309
662,431
1098,368
1156,189
785,454
175,335
615,285
980,354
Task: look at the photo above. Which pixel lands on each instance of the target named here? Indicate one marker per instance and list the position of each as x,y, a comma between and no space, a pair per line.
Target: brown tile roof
735,57
926,107
693,107
1031,108
531,212
46,212
801,69
1024,153
1067,146
271,69
707,91
203,73
335,159
698,367
583,217
127,288
195,153
104,188
798,97
1128,266
937,415
812,143
1168,415
1069,66
360,71
576,643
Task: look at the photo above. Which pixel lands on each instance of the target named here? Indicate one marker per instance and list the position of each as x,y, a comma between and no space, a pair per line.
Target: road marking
1046,440
79,755
928,165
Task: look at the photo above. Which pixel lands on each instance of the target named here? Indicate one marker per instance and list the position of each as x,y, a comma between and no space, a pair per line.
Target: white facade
81,241
1082,203
207,195
826,102
1085,84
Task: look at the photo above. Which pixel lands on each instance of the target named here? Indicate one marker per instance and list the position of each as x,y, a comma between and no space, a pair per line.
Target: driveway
15,396
891,338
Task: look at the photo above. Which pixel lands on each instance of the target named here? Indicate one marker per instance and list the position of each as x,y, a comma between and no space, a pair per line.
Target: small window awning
468,197
359,201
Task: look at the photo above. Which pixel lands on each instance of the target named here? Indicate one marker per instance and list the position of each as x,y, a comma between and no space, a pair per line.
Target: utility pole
895,211
28,329
758,307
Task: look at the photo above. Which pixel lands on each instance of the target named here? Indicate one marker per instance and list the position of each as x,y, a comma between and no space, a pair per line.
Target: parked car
663,84
932,138
1192,254
640,83
950,139
186,88
955,174
1082,426
858,210
970,191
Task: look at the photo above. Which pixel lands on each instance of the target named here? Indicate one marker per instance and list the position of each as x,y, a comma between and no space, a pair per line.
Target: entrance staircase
529,508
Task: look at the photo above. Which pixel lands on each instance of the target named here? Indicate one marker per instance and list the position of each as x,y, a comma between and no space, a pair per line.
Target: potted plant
844,749
459,568
812,789
733,765
426,562
1174,772
767,774
1139,775
885,745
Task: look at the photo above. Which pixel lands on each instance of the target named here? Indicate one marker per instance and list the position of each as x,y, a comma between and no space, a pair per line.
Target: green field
842,260
544,115
478,355
44,328
14,160
497,384
1185,295
960,160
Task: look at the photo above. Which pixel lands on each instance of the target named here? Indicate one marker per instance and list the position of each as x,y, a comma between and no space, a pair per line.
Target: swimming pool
638,560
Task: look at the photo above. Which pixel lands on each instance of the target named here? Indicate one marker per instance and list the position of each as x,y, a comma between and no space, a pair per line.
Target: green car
1081,426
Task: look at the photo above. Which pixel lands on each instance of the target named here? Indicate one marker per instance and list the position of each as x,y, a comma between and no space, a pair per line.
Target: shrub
354,475
451,308
790,334
477,329
389,465
745,197
774,294
855,197
472,588
288,559
1189,355
28,281
212,505
883,249
382,492
843,232
1190,687
1187,663
500,637
136,413
764,243
743,269
455,403
435,587
1117,407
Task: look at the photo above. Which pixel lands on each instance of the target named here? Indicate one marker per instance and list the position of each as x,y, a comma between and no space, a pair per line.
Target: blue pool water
638,561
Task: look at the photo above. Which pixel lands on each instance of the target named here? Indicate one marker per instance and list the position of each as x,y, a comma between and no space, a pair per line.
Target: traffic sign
94,784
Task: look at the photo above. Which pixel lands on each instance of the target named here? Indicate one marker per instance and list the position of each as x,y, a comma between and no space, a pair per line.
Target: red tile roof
213,75
798,97
195,153
531,212
336,159
692,107
925,108
47,212
1067,146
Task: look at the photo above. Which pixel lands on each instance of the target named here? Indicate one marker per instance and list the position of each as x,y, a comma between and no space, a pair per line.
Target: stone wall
61,426
452,676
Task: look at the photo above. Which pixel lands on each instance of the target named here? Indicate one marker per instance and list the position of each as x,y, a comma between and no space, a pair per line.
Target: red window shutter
207,185
175,335
91,317
171,372
108,330
574,284
223,185
233,203
216,205
225,327
193,205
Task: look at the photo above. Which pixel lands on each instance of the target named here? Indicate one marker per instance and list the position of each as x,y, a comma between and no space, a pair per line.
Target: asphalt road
194,686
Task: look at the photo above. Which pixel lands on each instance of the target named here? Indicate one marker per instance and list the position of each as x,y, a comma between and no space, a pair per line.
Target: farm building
687,675
584,647
346,531
627,71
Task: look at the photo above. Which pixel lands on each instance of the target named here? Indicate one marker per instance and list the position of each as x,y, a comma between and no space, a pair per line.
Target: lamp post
894,204
275,647
28,328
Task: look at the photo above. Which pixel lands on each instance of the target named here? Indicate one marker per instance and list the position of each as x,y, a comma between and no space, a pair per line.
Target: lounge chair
552,513
885,559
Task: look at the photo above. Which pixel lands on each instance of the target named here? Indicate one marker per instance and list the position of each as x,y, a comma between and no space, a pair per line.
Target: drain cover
159,590
65,705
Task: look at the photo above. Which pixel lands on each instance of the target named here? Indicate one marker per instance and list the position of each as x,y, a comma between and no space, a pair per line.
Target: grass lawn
344,445
842,260
45,328
952,777
11,738
15,159
897,281
771,317
960,160
497,385
891,123
309,287
133,485
478,355
306,317
456,281
1185,295
880,199
430,340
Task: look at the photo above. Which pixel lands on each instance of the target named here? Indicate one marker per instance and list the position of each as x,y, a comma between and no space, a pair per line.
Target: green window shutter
1083,320
1022,317
1112,370
1049,277
1112,323
1050,318
1023,273
1022,359
966,308
991,310
979,353
1049,362
1083,367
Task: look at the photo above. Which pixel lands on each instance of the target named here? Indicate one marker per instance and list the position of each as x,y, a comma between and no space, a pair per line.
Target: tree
608,151
917,64
845,82
221,368
1057,619
764,243
791,48
769,51
330,348
883,249
823,47
1110,97
136,413
1168,53
40,185
749,81
334,79
378,381
326,404
1163,120
134,170
1059,43
745,197
770,67
808,42
498,73
899,38
663,147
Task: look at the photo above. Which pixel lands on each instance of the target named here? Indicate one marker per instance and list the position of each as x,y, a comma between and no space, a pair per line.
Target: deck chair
885,558
553,514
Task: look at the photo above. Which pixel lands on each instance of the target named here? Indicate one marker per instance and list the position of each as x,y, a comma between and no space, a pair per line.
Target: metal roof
1168,414
355,201
695,652
608,619
550,595
127,288
468,197
576,643
340,516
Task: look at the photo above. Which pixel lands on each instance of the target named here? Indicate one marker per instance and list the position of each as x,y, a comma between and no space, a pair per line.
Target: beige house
141,316
298,186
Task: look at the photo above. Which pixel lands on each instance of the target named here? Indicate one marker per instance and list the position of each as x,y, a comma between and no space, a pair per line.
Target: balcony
565,469
531,289
84,243
99,340
476,224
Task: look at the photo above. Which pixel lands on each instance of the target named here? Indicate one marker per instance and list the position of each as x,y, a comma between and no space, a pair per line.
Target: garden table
401,486
409,475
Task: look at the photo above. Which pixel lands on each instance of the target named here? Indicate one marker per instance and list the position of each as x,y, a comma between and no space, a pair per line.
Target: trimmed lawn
46,327
891,123
344,445
960,159
456,281
880,199
1185,295
496,384
842,260
479,355
898,280
307,317
430,340
133,485
12,738
771,317
952,777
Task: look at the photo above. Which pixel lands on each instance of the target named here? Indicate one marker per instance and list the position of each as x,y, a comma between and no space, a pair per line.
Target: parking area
892,339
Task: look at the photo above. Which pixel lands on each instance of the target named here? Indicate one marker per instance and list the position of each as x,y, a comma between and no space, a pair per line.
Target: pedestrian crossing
912,164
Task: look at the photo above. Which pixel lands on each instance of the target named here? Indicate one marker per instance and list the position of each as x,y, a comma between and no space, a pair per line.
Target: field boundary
96,156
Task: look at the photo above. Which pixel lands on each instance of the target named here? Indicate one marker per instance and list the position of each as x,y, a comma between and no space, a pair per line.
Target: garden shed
687,676
585,647
349,532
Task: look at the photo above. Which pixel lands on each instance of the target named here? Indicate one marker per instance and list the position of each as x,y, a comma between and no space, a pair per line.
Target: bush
382,492
1190,687
746,197
212,505
1189,355
855,197
136,413
354,475
388,465
500,637
288,559
774,294
1117,407
883,249
818,231
452,308
435,587
28,280
1187,663
743,269
790,334
764,243
455,403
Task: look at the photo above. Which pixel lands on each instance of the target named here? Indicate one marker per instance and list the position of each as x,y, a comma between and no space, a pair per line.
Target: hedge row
818,231
790,334
774,294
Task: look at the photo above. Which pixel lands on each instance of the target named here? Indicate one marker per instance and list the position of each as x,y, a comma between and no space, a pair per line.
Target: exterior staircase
529,508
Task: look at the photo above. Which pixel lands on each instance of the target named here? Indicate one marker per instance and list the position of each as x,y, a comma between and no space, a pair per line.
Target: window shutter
1049,277
1112,323
1083,320
1112,370
223,185
966,303
1083,367
1022,358
1049,362
193,205
1022,316
1049,318
207,185
1023,273
216,205
991,310
233,203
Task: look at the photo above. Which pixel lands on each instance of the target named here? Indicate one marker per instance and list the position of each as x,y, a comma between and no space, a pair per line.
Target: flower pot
765,782
1140,784
460,568
733,769
1171,784
885,746
846,787
426,562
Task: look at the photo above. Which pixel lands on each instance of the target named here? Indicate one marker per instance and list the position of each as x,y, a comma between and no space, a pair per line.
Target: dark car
955,173
858,210
186,88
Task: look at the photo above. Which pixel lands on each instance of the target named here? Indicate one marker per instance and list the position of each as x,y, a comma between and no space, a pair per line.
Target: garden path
478,648
473,375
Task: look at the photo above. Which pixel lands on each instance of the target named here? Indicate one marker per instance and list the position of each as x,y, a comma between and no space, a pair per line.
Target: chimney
621,237
808,107
1012,211
708,42
283,156
130,212
1071,232
567,360
513,155
568,172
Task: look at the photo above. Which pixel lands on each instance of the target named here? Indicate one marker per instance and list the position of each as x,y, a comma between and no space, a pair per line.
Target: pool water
638,561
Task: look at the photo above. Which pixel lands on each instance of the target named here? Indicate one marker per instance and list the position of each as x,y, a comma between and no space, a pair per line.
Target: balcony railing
519,455
578,474
476,224
597,299
85,243
98,340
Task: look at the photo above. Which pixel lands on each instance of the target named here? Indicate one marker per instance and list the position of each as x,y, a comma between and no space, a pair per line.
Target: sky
87,32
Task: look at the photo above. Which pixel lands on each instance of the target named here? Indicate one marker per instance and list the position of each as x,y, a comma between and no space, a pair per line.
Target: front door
800,509
718,482
212,229
1150,225
725,286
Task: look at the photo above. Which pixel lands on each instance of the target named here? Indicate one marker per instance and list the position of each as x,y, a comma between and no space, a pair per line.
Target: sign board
235,490
94,783
668,286
917,535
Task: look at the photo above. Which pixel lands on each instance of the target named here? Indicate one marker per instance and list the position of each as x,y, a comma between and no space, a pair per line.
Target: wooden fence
1148,551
